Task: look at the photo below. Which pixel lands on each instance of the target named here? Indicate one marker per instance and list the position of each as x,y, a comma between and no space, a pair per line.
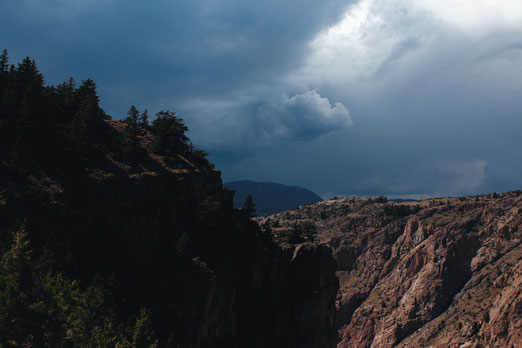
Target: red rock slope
442,272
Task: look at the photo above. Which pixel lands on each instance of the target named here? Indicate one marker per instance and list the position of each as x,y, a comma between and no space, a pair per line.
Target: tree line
65,123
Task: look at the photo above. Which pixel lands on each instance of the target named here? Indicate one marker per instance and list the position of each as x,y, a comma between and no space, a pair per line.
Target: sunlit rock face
437,272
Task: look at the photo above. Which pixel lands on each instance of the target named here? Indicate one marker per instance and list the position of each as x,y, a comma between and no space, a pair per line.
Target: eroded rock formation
440,272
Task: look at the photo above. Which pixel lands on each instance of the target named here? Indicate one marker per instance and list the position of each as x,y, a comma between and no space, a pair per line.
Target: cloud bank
398,97
433,91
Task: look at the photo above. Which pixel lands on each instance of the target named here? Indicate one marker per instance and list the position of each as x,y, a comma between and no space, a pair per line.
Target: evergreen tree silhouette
249,207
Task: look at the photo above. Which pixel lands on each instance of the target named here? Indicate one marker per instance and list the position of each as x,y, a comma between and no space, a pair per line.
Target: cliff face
439,272
166,231
270,298
294,309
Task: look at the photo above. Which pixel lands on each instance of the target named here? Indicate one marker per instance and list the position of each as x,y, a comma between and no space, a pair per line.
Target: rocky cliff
440,272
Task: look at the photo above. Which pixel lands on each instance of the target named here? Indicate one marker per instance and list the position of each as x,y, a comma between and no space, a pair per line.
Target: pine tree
26,114
87,88
63,105
4,62
26,73
169,131
5,115
249,206
132,131
132,115
144,119
143,333
87,129
16,291
267,227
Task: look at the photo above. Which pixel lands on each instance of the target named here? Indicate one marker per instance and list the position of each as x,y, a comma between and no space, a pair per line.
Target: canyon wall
439,272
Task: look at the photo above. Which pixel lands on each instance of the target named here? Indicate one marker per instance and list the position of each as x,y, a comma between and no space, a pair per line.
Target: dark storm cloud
217,63
160,53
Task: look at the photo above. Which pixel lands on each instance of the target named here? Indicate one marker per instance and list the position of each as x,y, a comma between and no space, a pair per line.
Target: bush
309,230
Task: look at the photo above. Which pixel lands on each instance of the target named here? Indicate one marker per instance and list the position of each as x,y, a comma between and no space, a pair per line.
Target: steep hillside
120,233
440,272
271,197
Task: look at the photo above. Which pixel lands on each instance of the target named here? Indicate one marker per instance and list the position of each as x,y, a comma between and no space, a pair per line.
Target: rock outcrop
440,272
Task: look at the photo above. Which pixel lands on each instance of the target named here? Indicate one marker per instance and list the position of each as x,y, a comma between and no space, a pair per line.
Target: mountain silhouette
270,197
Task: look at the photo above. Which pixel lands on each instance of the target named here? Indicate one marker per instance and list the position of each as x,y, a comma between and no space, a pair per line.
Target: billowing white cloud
381,45
248,125
475,18
302,116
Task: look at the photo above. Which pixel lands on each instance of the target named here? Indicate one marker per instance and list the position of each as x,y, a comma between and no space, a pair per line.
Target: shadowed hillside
120,233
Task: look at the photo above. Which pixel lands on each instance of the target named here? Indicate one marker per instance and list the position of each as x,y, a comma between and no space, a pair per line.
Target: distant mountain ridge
270,197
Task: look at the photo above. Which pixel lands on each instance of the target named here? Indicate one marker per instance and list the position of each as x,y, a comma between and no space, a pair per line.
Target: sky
403,98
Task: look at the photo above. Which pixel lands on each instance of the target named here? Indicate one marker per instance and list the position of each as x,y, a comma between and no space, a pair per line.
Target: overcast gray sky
396,97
